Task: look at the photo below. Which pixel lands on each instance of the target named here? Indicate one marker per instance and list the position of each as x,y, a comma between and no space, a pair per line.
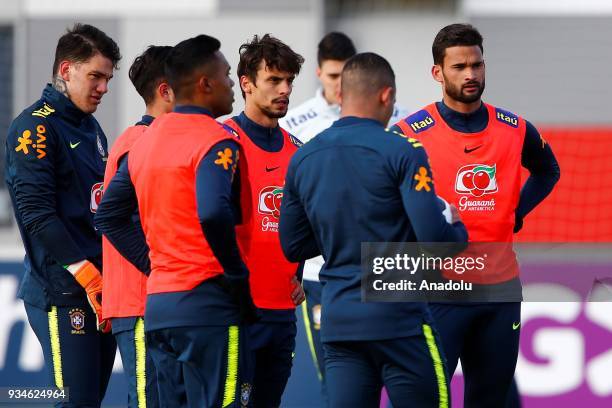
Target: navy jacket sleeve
296,235
115,219
544,173
33,177
215,207
420,200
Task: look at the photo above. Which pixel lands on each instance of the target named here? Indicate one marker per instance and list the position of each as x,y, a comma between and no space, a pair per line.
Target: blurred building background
547,60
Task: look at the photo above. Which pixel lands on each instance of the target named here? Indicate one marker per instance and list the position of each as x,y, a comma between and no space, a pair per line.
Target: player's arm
544,173
33,176
214,203
421,202
296,235
115,219
214,180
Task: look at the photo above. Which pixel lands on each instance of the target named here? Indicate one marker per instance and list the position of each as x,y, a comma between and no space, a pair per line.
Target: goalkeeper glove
90,279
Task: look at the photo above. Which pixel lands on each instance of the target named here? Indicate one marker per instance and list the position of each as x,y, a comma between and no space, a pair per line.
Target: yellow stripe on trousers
231,377
56,351
313,351
438,366
141,368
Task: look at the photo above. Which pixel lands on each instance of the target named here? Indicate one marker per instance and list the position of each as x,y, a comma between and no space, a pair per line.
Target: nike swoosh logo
74,145
268,169
466,150
516,325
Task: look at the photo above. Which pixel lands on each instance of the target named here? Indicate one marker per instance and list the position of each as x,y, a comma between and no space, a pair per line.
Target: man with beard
266,72
476,151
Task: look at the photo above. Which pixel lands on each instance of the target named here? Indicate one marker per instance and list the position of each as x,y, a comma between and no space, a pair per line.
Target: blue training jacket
357,182
55,160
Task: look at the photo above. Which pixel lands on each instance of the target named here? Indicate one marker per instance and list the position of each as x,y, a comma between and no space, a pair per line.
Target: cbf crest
245,394
77,321
99,144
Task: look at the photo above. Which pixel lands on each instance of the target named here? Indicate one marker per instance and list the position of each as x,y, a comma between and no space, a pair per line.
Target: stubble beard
273,114
458,95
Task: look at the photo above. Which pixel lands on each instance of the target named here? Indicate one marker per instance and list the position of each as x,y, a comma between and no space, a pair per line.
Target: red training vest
480,174
262,177
163,170
124,287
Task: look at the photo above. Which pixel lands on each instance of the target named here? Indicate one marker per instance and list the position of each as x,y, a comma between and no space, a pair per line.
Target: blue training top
357,182
55,161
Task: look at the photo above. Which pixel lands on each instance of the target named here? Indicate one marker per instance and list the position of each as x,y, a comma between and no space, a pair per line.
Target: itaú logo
476,180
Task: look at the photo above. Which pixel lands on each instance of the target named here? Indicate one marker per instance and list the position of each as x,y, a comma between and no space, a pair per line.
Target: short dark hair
147,71
366,73
82,42
452,36
335,46
276,54
186,59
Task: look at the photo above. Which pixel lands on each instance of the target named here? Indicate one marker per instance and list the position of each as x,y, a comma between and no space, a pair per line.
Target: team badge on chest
99,145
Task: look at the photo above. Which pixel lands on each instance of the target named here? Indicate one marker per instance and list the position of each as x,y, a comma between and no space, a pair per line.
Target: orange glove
90,279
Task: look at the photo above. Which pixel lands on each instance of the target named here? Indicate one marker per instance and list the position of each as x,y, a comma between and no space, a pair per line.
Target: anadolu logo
270,199
476,179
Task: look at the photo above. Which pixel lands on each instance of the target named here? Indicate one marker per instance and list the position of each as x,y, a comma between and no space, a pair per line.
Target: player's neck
359,112
461,107
197,102
328,99
155,110
259,117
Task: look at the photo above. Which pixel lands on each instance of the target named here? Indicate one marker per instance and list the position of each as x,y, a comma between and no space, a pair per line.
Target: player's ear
64,70
204,84
246,84
318,72
165,92
436,73
387,96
